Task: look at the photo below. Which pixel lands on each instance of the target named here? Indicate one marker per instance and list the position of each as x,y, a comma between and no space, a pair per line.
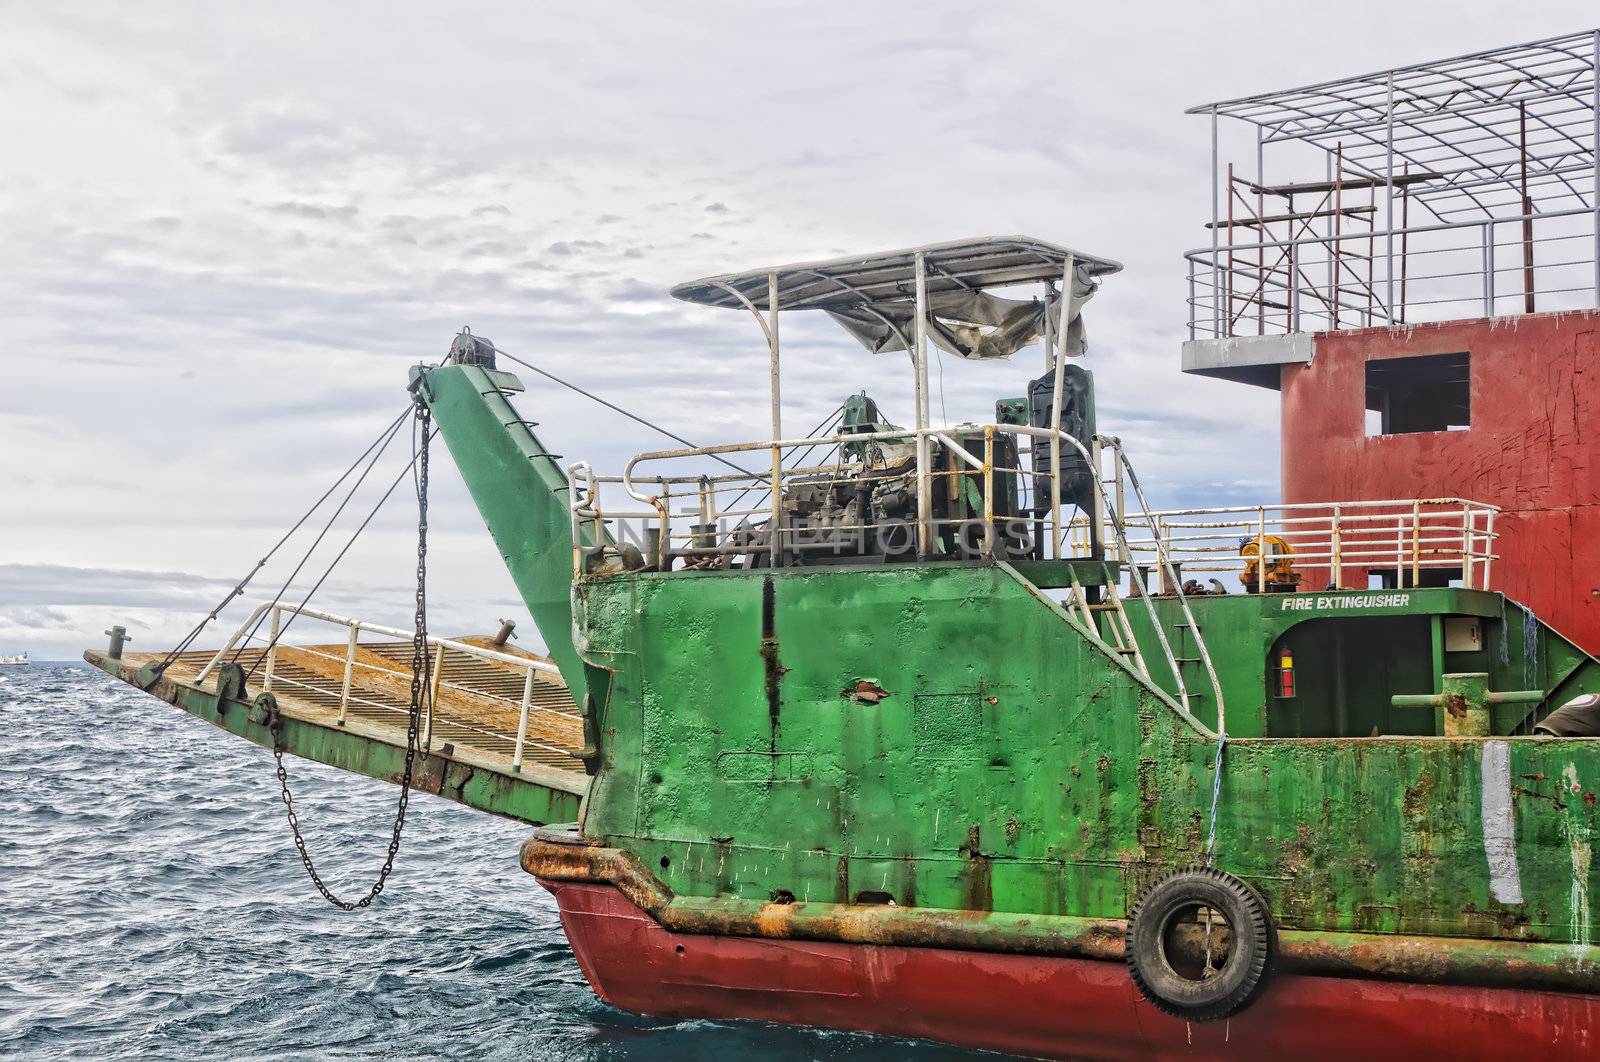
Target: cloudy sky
227,230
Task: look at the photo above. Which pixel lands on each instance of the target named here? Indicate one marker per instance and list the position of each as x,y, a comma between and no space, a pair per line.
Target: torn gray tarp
971,324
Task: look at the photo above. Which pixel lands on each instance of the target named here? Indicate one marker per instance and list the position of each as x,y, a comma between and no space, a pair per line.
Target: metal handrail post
349,663
1261,549
664,543
582,499
1466,546
1063,327
708,534
1192,307
1338,543
250,621
522,720
1097,513
593,491
775,536
990,535
433,694
1416,543
1294,289
1122,507
575,519
1216,211
1162,534
272,647
919,360
1488,269
1388,212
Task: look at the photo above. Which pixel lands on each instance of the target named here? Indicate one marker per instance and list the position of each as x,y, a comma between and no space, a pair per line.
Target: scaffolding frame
1497,147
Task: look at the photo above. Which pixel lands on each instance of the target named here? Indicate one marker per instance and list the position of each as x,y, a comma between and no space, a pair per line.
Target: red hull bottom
1049,1007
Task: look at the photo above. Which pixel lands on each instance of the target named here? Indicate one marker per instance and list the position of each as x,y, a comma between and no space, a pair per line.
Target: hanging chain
421,689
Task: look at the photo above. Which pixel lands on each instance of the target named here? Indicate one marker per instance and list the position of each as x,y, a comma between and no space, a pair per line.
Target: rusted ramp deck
481,748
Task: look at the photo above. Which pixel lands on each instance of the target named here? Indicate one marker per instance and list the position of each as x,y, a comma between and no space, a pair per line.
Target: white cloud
225,232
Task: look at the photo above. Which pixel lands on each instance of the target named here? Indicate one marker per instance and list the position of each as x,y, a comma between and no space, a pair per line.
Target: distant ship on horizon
20,660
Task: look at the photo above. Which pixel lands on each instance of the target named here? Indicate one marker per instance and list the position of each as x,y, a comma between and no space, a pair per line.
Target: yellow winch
1278,559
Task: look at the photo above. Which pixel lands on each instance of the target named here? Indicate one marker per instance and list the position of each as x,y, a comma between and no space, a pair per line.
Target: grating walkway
477,707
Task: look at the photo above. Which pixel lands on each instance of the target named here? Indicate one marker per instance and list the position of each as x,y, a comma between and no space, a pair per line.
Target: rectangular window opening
1390,579
1430,392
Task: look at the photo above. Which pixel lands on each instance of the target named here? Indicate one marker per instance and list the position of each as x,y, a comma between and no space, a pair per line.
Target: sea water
152,906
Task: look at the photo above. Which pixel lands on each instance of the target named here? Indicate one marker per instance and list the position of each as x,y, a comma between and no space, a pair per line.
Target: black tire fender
1252,944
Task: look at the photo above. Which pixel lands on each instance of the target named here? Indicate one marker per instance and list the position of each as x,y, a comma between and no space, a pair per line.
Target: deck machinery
943,731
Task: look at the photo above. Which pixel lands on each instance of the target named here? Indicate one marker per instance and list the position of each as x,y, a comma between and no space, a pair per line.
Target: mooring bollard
119,636
1462,709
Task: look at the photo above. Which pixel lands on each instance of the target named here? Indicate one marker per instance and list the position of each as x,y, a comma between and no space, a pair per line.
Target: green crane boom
519,489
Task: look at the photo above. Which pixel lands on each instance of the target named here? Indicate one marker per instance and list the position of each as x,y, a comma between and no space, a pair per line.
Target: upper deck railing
1325,282
664,521
994,507
1352,545
1008,508
724,519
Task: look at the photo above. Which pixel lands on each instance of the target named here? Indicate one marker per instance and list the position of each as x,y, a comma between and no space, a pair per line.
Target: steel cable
421,484
616,408
392,431
239,587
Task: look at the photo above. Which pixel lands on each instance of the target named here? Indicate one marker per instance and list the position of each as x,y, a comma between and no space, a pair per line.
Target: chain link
421,693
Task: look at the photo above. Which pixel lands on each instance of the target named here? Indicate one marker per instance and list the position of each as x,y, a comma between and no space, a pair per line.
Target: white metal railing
434,668
688,519
685,517
1341,544
1366,278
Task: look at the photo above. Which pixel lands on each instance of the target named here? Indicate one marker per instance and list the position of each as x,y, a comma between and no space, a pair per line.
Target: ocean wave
155,908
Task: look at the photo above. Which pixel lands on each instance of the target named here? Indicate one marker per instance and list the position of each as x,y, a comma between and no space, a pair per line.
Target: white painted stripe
1582,855
1499,824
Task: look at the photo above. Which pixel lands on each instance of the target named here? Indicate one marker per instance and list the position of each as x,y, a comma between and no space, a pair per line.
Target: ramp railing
437,669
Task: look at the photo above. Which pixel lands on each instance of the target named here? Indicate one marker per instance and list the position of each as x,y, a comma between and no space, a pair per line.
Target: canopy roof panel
1459,120
890,277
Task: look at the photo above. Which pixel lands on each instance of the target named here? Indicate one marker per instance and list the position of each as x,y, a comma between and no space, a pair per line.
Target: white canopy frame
882,287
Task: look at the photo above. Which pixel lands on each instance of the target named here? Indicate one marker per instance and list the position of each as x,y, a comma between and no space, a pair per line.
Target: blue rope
1216,796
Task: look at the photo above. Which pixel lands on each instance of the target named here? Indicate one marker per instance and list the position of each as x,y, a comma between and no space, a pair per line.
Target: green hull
1014,766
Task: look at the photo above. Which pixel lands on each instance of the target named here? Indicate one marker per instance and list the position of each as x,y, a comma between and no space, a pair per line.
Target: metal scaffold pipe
1063,328
919,359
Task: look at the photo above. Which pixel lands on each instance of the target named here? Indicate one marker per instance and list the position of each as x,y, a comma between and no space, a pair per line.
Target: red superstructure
1412,257
1530,443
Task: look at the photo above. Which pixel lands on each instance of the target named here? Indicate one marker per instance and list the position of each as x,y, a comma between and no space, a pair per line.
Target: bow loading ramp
503,734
